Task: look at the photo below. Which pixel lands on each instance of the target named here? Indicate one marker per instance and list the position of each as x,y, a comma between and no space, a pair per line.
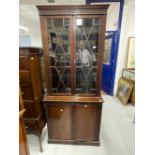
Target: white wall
112,15
29,17
127,30
45,2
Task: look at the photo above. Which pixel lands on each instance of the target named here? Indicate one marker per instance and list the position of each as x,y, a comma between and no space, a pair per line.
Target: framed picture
128,74
124,90
131,53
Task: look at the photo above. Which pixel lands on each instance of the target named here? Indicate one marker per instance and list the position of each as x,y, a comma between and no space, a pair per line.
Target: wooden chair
23,145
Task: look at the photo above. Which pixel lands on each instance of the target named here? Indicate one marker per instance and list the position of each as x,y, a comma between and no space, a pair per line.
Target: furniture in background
73,40
23,145
31,90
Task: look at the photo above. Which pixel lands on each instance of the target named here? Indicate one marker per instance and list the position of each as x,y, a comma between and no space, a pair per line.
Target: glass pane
107,51
59,52
87,33
61,80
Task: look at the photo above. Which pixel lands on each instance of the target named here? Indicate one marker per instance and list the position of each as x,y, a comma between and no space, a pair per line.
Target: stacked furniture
31,90
73,41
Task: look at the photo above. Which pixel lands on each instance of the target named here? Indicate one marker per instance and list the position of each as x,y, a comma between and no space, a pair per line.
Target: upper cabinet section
73,41
72,10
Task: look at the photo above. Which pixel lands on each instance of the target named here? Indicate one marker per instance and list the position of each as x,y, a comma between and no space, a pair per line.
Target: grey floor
117,134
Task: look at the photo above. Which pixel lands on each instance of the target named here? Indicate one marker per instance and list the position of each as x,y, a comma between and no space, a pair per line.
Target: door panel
73,50
87,36
87,122
59,53
108,64
60,122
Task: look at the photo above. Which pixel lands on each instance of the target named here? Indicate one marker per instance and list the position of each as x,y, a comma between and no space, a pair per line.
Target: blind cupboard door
60,122
87,122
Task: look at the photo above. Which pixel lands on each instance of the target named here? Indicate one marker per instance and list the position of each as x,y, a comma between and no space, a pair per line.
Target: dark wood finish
73,123
27,92
25,77
72,99
100,54
57,141
73,57
44,34
60,122
73,118
72,10
31,90
23,62
87,118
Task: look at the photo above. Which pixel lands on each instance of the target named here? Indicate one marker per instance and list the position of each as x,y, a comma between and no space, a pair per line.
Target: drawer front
30,109
25,77
27,93
24,62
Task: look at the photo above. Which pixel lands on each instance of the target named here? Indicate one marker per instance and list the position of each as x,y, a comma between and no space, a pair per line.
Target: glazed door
87,122
59,121
73,54
87,54
59,55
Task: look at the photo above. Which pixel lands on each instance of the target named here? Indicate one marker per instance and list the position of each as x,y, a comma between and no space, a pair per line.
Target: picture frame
131,53
125,88
128,74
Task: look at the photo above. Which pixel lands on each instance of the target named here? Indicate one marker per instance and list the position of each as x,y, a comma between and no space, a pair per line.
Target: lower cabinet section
75,123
